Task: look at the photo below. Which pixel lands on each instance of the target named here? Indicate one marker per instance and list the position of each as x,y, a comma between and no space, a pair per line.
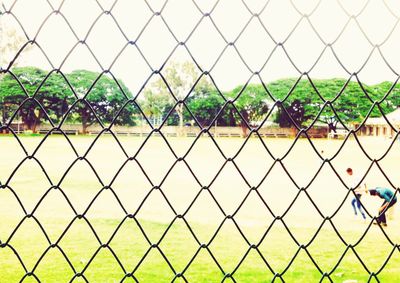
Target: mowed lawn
200,211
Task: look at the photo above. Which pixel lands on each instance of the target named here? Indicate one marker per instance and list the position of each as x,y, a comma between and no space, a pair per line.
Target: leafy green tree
103,98
252,104
301,103
39,97
352,105
181,77
56,97
295,112
51,96
205,108
154,105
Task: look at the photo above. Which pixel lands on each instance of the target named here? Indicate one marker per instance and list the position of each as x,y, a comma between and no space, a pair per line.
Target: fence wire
228,102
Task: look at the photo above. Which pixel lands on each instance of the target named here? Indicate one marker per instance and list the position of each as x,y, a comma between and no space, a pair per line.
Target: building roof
392,117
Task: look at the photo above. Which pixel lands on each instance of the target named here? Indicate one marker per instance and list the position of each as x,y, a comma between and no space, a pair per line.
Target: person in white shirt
356,201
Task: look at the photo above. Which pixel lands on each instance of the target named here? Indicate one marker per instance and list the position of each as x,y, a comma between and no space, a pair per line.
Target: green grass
178,245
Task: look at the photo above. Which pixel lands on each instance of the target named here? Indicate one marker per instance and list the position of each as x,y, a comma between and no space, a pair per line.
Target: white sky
230,16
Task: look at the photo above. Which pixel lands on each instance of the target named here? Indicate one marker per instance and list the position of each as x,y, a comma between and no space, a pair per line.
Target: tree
302,105
180,78
352,105
154,105
51,96
56,97
103,98
252,104
295,113
205,108
10,42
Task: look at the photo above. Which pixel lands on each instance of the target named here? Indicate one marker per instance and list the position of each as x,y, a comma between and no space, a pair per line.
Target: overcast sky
353,27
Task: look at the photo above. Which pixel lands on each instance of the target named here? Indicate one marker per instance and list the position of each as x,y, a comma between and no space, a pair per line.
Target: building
380,127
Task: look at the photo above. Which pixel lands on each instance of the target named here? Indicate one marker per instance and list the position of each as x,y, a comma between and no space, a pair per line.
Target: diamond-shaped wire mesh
153,43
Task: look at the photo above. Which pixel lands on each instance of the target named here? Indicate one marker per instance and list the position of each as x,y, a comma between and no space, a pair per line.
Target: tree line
81,96
35,96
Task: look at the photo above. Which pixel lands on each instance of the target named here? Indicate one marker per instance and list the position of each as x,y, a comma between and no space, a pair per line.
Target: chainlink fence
133,40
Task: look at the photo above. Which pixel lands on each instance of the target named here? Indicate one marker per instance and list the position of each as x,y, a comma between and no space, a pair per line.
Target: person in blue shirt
389,200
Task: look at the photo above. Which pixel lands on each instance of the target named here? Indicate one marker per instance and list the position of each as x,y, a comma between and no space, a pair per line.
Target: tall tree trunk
84,128
85,118
36,121
34,126
179,110
232,120
30,121
243,124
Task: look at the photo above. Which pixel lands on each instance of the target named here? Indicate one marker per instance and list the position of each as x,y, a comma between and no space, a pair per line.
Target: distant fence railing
187,131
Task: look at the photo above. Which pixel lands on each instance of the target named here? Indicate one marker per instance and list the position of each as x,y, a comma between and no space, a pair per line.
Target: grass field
228,183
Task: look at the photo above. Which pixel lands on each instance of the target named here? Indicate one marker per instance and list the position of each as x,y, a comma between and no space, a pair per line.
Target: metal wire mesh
228,102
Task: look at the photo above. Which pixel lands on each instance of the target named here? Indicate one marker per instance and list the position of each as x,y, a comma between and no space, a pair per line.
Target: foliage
103,98
304,103
106,99
181,78
52,92
205,108
155,105
252,103
14,96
